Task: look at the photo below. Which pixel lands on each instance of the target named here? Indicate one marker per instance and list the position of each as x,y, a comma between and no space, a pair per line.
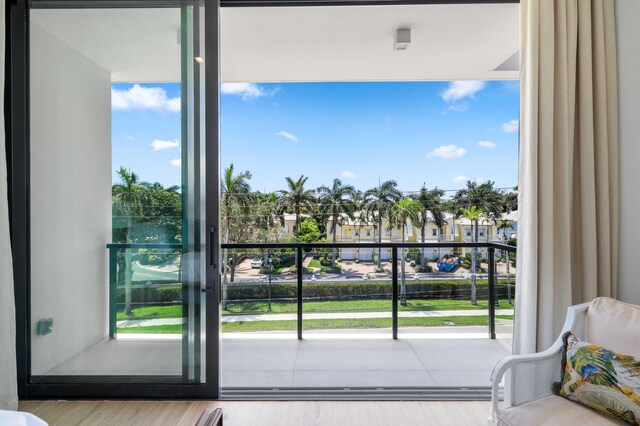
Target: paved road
310,316
154,273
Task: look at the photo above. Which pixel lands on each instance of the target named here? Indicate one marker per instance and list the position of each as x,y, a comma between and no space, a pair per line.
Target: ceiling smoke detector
402,39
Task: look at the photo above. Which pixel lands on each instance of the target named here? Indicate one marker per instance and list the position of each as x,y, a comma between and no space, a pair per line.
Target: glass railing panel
346,291
259,305
505,290
259,291
442,291
146,292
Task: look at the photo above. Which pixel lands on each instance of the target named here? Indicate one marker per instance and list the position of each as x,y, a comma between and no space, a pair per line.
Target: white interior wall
70,199
628,34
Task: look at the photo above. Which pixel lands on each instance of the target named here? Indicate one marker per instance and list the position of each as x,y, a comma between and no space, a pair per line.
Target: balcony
300,316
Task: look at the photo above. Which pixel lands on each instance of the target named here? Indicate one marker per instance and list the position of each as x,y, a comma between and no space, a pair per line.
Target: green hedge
432,289
421,289
150,295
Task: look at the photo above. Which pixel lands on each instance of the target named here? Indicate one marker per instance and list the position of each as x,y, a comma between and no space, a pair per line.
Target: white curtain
8,378
568,211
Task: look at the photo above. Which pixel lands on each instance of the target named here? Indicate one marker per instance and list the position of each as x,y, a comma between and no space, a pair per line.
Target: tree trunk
333,250
474,256
508,278
237,259
379,239
403,285
359,239
423,237
128,271
225,261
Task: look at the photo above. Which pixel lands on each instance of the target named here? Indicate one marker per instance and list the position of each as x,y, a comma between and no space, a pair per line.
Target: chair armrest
535,373
532,375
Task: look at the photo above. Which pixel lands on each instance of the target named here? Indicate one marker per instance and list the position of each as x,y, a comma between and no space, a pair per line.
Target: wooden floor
259,413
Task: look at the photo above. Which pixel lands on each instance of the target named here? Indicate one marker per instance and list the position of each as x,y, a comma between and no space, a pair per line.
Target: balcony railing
130,278
146,284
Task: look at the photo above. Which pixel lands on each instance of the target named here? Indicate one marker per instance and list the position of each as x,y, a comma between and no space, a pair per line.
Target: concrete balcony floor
421,357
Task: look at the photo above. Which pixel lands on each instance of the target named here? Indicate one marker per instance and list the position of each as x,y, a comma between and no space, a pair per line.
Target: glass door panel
117,164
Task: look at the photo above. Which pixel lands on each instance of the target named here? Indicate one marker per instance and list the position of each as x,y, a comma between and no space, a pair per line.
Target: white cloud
462,89
159,145
511,126
131,138
465,179
138,97
461,107
247,91
487,144
447,152
287,135
348,174
176,163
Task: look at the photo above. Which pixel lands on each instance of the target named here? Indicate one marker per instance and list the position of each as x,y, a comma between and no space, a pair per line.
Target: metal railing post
492,294
299,275
394,291
113,283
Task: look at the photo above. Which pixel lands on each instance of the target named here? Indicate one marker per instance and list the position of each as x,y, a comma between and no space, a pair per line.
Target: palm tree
379,202
128,198
474,213
504,225
337,202
236,193
360,216
510,201
403,211
268,218
430,208
484,196
297,198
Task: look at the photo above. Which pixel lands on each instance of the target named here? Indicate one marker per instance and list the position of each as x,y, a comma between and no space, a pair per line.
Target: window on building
434,232
368,232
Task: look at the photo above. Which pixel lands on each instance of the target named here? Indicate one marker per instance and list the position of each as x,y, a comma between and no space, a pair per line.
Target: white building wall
70,199
628,34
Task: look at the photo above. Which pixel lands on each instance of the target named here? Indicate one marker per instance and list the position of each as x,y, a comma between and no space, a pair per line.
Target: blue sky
438,133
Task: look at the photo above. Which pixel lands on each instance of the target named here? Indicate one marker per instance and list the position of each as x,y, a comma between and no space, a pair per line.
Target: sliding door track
478,393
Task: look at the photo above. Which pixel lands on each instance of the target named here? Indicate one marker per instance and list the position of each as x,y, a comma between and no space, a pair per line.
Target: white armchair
528,379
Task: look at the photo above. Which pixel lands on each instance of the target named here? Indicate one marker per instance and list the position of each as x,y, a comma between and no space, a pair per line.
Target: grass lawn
329,324
175,311
367,305
170,311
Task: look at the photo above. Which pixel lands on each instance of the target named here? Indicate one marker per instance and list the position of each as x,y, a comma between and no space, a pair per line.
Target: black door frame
17,147
16,102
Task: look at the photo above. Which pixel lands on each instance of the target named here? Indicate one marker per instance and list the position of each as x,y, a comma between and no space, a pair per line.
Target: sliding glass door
122,246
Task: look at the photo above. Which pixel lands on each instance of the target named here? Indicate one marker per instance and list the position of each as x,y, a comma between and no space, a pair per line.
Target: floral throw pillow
603,380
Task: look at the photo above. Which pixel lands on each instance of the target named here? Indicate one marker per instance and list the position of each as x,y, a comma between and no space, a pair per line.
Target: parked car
256,263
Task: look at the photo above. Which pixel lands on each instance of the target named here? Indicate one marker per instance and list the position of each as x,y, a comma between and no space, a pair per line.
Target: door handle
212,246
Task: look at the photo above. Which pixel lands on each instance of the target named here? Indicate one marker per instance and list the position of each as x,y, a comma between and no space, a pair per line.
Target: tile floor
432,358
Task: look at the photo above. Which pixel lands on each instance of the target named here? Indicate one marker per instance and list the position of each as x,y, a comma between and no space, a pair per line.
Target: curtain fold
568,185
8,378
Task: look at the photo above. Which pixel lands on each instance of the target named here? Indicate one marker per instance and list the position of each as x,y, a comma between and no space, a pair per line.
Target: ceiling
278,44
